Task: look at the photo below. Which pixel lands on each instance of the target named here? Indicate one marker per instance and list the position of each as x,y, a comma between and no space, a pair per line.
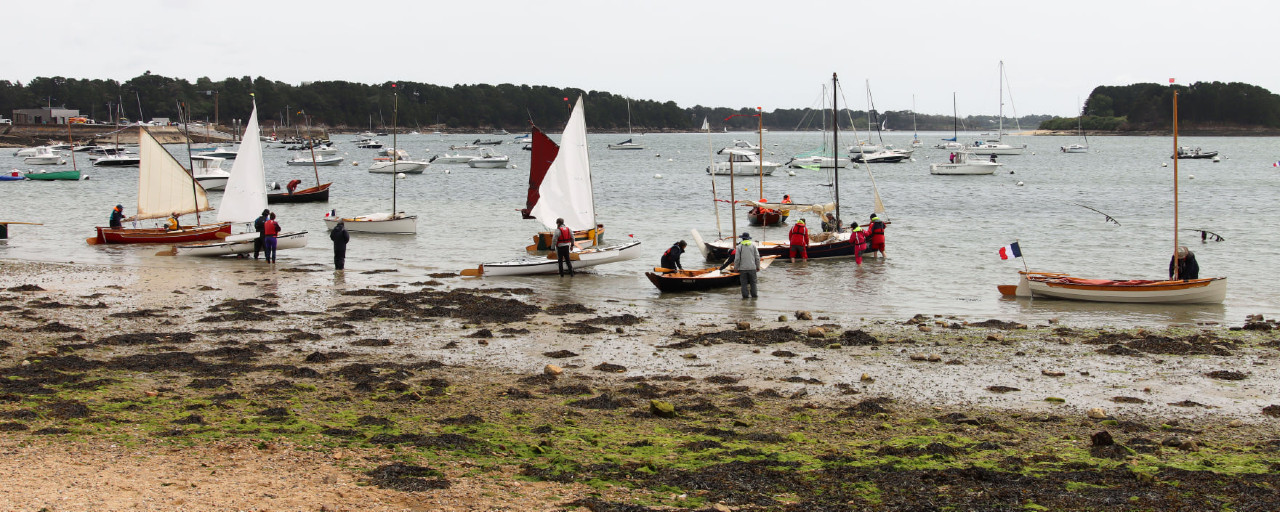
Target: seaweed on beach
782,334
407,478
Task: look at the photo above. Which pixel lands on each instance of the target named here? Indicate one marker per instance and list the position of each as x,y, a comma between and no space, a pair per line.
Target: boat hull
161,236
1061,286
55,175
1003,149
699,280
766,219
626,146
965,169
43,160
1075,148
743,169
487,163
212,182
549,264
403,166
284,241
822,162
318,194
318,161
838,247
381,223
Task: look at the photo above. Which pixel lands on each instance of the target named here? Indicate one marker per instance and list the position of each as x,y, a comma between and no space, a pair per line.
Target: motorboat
627,144
1187,153
369,143
457,147
524,139
45,156
742,145
208,172
26,152
865,147
400,163
743,162
120,160
882,156
1075,148
489,160
303,159
456,158
42,175
822,162
222,152
965,164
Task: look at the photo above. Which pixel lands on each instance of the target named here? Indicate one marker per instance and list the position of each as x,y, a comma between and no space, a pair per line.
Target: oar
93,240
27,223
472,272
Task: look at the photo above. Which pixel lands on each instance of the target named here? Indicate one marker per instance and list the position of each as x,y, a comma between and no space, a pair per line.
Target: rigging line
1012,106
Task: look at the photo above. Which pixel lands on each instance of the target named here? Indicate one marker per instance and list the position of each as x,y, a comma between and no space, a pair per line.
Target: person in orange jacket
799,240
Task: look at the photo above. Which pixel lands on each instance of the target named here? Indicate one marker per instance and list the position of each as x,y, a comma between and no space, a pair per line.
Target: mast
395,99
1176,271
186,132
311,143
711,170
733,204
835,146
1000,78
72,144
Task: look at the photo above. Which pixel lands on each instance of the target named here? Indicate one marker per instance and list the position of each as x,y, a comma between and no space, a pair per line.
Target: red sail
544,152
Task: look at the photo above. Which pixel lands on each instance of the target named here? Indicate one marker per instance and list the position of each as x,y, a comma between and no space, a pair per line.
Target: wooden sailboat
671,280
829,245
564,190
1058,285
396,222
244,198
164,188
316,194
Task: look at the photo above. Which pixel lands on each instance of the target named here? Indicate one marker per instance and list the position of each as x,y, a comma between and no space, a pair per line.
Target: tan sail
164,186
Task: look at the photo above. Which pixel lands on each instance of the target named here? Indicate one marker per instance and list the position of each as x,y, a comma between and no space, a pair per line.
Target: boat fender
657,176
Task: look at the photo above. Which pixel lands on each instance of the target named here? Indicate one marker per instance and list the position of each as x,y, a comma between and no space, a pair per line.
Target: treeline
349,105
1149,107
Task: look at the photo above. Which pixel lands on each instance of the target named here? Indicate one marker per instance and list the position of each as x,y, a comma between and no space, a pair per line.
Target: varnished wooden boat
161,236
318,194
1062,286
698,280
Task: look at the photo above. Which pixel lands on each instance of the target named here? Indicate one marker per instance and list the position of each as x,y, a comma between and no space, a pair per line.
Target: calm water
941,244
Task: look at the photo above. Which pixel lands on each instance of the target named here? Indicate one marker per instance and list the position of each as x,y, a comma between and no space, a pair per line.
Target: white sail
164,187
566,190
245,195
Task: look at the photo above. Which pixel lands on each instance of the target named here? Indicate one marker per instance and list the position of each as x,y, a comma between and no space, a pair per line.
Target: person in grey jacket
747,263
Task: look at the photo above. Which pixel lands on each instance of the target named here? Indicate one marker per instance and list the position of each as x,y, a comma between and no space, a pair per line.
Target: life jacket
270,228
173,223
877,227
799,230
566,235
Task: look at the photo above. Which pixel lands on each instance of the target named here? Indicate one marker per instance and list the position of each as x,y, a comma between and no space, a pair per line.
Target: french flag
1010,251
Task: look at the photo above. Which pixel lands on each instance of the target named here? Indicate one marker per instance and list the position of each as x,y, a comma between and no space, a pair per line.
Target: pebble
995,337
924,328
804,315
817,332
742,326
1097,413
552,369
1235,423
1048,373
867,378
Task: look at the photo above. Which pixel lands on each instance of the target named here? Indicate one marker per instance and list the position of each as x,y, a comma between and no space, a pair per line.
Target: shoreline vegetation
304,389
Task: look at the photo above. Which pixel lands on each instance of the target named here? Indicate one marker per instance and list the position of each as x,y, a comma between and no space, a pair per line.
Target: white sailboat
244,198
630,142
1078,148
394,222
915,133
997,146
563,190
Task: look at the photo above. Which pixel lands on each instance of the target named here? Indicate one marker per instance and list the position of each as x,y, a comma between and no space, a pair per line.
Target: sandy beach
129,388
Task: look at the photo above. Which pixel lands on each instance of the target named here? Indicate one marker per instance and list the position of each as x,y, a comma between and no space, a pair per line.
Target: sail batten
245,195
565,191
164,186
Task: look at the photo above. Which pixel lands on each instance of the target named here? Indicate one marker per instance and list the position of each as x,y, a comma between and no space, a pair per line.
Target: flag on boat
1010,251
1277,164
705,124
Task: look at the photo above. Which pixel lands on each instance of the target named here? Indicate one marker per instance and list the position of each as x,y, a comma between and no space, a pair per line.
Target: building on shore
43,115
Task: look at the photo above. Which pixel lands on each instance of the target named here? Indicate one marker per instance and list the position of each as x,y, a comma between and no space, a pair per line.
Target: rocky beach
295,388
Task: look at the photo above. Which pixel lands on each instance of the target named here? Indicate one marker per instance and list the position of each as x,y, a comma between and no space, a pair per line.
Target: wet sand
436,394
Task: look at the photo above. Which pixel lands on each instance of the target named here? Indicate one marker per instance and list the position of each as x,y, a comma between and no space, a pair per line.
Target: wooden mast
312,144
1177,271
186,131
835,146
395,110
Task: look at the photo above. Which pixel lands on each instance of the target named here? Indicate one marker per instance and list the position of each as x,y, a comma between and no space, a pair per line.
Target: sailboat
71,175
316,194
915,133
562,189
244,198
389,223
164,188
828,245
997,146
1078,148
629,143
817,158
1212,290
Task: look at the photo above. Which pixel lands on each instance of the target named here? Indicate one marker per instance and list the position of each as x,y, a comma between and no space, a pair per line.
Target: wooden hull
318,194
160,236
1061,286
549,265
766,219
242,246
542,240
699,280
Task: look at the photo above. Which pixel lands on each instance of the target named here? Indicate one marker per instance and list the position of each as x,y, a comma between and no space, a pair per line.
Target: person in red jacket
799,239
877,235
270,229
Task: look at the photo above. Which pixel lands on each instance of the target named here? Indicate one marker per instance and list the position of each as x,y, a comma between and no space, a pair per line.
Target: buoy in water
1164,165
791,173
671,159
1216,159
353,162
657,176
1191,176
446,171
400,176
1019,183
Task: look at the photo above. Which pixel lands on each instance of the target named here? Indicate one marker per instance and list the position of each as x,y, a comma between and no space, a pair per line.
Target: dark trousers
562,259
257,246
269,247
339,256
748,278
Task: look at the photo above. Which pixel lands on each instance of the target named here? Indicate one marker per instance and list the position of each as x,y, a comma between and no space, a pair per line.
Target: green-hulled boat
73,175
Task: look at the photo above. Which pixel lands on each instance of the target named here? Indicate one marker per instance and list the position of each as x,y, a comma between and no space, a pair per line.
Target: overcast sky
745,53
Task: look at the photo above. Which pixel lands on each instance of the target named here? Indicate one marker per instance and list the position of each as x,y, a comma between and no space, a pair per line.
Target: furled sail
164,186
566,189
245,195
